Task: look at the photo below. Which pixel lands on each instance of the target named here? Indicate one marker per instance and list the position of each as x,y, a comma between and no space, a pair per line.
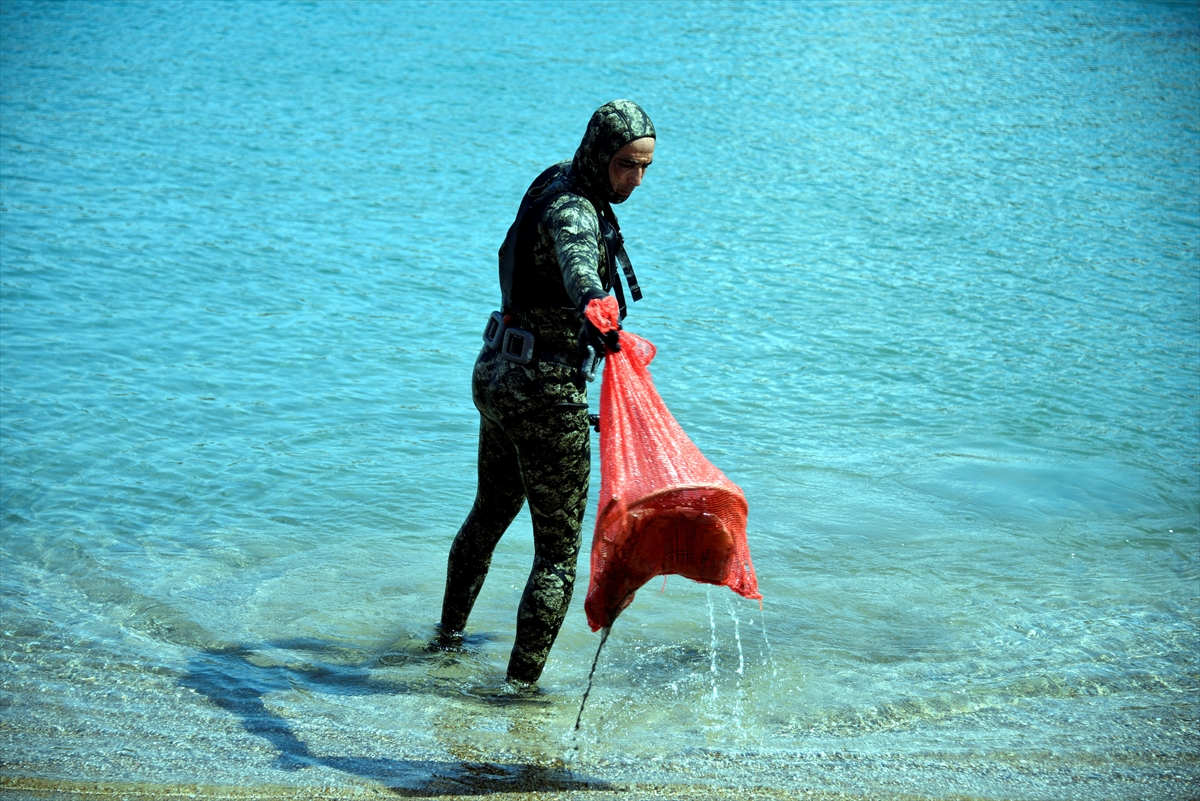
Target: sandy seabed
16,788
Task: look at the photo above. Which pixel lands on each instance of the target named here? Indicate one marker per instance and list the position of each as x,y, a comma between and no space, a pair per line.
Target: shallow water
924,280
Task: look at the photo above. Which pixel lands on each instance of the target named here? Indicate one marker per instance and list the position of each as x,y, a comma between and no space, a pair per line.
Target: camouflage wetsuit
534,434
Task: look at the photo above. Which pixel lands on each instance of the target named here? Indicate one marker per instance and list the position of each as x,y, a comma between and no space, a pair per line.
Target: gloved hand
601,321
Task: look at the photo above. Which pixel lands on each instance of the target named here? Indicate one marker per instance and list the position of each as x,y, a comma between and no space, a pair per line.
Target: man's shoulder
563,208
558,192
570,208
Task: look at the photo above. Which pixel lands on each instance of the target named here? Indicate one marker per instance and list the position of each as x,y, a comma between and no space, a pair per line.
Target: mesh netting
664,508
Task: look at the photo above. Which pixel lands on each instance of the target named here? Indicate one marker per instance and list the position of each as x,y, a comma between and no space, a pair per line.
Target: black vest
517,287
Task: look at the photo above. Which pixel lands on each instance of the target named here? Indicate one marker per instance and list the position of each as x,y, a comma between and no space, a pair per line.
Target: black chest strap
614,248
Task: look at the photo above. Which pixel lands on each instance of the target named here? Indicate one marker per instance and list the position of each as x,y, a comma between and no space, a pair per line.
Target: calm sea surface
925,282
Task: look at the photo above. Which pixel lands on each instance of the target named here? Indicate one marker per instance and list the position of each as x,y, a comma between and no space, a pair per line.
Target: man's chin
620,198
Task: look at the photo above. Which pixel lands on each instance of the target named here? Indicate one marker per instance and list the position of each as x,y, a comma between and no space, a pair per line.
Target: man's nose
637,176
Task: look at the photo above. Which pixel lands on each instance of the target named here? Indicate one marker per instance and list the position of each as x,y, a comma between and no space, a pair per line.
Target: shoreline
56,789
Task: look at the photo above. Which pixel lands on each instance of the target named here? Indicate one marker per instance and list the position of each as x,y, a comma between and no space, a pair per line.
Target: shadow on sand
233,679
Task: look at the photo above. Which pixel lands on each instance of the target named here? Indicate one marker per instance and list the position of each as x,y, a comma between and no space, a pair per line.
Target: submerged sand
55,790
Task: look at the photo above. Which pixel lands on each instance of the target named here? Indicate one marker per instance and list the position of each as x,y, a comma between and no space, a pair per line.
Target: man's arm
572,222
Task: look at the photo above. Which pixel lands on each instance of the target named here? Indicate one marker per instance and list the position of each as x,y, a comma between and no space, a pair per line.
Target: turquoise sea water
925,282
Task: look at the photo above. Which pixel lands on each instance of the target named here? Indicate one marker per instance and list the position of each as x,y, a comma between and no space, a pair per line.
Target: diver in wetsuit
557,265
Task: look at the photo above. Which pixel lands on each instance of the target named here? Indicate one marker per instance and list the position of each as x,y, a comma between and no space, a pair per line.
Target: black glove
591,335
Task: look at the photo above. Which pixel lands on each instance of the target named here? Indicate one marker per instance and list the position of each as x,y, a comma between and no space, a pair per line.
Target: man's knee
550,585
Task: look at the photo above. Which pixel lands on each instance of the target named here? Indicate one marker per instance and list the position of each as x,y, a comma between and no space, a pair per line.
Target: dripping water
712,644
741,670
737,636
769,658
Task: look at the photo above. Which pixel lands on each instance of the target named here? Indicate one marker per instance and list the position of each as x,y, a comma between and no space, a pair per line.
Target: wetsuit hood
612,126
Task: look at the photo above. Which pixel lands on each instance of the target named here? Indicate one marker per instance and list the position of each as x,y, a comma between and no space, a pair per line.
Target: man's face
628,167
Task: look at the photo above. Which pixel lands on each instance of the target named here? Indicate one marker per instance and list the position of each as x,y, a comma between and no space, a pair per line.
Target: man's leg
555,462
498,498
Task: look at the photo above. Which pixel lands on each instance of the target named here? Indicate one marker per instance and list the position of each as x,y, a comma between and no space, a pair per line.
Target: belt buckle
590,362
493,332
517,346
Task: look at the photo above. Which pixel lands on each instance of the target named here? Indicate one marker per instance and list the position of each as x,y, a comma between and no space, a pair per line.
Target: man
557,265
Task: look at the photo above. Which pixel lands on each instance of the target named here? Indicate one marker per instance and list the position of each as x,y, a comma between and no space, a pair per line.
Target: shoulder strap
614,246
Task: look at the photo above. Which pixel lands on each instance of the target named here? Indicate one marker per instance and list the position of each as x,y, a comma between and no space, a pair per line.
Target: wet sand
40,789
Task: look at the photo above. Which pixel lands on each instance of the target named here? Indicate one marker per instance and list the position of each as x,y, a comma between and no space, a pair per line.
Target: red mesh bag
664,508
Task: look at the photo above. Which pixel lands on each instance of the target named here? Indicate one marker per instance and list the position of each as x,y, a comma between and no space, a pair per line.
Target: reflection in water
238,678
